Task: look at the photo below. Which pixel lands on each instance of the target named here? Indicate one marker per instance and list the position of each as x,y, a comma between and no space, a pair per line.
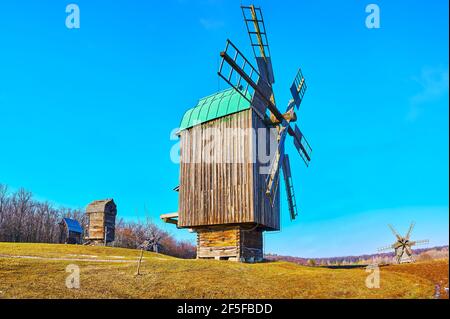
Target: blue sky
87,114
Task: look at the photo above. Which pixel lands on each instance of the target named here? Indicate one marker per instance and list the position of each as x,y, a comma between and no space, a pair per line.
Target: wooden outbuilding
70,231
101,221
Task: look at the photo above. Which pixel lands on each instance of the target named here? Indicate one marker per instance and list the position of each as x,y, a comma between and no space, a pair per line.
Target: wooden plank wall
110,223
220,192
251,245
96,226
218,242
230,242
98,222
230,190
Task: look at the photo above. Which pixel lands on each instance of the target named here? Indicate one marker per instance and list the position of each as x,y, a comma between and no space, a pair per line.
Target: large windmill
230,201
402,247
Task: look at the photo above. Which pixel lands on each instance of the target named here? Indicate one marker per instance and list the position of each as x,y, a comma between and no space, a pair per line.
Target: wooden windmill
230,201
402,247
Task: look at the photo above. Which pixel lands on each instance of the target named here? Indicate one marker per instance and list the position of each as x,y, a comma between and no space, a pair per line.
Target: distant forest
25,219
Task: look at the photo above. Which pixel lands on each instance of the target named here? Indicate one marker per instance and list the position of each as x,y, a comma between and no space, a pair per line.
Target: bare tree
23,219
4,209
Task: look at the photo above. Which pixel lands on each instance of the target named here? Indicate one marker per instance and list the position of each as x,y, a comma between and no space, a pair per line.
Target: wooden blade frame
386,248
303,148
238,72
298,88
395,232
289,187
408,234
302,145
273,178
256,29
249,84
420,242
408,251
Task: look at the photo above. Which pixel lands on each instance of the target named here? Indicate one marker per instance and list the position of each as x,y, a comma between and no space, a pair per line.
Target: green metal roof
213,107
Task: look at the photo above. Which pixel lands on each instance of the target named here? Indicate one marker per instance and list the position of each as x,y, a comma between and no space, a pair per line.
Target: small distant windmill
402,247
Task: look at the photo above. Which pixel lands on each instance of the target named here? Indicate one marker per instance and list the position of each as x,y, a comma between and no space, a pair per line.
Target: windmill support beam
171,218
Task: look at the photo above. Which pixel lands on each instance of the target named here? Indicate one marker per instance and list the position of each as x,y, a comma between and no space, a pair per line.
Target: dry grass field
435,271
39,271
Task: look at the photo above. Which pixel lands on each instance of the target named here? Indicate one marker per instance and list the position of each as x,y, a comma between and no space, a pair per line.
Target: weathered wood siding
251,245
96,228
218,192
110,224
218,243
68,237
230,190
101,214
230,242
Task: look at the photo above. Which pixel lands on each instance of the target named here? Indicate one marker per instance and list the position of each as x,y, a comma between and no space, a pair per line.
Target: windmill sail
273,177
420,242
289,187
255,85
390,247
298,88
302,145
408,250
256,29
411,227
395,232
238,72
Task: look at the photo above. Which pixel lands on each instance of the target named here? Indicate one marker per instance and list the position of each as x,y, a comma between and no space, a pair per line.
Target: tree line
25,219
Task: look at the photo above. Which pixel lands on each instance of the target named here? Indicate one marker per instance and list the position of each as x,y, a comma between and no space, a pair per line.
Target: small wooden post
106,231
139,262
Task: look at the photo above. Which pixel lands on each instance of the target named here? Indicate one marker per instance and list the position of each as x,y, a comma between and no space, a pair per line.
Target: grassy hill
39,271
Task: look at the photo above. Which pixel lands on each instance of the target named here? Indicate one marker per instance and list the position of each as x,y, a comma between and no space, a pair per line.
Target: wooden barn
101,221
70,231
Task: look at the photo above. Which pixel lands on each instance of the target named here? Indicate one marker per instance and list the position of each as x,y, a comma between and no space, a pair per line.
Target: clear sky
87,113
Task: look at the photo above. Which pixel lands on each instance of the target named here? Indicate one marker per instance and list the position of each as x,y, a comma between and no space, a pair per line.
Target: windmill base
234,243
405,260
